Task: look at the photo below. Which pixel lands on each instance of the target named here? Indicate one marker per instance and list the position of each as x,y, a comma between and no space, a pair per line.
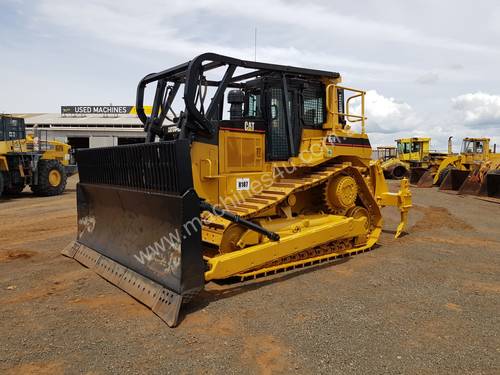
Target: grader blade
454,179
138,223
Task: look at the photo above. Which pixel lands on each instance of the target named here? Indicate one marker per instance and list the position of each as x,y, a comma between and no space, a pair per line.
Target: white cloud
387,115
390,119
315,35
478,109
469,115
152,26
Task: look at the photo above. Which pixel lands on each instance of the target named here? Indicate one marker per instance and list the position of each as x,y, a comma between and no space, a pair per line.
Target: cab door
284,130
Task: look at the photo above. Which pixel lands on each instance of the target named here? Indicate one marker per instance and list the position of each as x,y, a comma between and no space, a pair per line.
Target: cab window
403,148
12,128
313,107
400,148
472,147
467,147
252,108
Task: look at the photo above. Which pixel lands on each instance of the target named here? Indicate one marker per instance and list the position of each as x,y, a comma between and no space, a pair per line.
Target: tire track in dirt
10,255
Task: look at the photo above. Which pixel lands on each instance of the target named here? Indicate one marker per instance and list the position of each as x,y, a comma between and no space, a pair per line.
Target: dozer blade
426,180
454,179
471,184
138,223
416,174
492,182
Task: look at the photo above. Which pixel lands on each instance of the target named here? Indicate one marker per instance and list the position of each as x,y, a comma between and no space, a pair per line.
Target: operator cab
12,128
409,149
412,149
260,106
278,101
473,146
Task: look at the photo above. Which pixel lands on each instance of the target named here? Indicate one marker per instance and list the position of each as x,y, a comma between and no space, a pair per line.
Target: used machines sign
97,109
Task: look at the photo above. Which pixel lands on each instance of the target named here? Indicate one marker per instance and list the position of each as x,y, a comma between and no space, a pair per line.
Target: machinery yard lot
426,303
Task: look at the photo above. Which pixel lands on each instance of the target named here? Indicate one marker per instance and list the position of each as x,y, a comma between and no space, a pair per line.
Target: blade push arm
204,206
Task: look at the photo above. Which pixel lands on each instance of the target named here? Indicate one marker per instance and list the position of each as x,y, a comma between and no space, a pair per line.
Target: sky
429,68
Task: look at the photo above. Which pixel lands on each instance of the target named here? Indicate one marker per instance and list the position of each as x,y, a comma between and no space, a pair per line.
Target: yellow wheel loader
413,158
27,160
272,181
473,171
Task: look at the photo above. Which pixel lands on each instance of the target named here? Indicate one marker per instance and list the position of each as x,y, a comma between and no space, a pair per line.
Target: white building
93,127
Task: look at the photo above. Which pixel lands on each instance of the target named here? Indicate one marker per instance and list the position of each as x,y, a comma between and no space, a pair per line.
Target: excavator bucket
139,223
454,180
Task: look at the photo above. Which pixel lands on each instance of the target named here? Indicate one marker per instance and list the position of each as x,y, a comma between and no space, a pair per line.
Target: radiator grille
156,167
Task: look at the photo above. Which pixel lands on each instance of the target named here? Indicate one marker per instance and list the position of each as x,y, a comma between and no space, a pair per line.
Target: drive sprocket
339,194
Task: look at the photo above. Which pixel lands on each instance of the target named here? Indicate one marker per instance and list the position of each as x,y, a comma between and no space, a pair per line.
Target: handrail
349,116
328,97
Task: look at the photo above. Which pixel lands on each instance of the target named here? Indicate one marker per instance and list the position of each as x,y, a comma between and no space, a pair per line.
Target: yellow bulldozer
27,160
277,181
474,171
411,157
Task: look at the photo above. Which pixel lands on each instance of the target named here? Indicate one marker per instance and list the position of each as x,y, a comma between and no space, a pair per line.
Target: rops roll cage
196,119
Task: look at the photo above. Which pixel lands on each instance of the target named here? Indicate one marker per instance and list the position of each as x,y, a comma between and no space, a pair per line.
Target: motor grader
473,171
279,182
27,160
413,158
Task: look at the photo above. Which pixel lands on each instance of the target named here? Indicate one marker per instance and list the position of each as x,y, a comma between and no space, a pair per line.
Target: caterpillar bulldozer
27,160
281,182
474,171
412,158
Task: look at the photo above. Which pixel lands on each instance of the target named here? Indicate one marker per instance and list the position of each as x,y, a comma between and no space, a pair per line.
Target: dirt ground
426,303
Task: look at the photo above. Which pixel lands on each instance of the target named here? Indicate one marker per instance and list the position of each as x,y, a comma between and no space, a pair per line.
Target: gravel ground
426,303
